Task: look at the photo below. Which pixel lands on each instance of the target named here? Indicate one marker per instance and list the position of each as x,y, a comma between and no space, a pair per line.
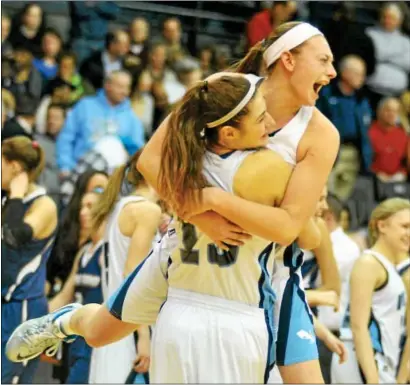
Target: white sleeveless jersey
113,363
243,274
388,314
286,140
117,252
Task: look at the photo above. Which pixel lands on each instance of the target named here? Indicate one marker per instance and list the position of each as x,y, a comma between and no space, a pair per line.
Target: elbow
358,328
286,238
309,244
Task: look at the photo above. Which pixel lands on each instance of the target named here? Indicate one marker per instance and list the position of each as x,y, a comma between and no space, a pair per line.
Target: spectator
6,48
344,103
347,37
56,115
142,101
223,57
392,47
89,26
8,103
23,123
389,142
67,73
102,63
172,33
139,34
24,79
51,45
61,92
109,113
207,61
28,28
189,72
263,23
157,63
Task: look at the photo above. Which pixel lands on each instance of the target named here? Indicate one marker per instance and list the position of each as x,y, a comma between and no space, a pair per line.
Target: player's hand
142,361
190,209
336,346
220,230
19,185
332,300
165,221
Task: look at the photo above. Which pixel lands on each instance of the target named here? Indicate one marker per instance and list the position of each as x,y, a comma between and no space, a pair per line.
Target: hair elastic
289,40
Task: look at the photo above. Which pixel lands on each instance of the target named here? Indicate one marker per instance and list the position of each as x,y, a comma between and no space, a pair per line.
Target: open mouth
317,87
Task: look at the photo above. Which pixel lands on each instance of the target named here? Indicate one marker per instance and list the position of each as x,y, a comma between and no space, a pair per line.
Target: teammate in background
298,62
319,270
129,207
403,375
378,301
29,223
84,286
345,252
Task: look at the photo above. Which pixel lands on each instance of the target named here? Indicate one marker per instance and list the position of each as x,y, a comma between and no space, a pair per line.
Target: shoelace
48,344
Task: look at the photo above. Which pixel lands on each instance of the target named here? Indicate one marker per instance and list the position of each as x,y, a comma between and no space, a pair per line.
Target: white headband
253,80
291,39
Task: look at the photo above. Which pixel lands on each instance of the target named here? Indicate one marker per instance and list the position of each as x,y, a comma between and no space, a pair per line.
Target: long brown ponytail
126,175
253,61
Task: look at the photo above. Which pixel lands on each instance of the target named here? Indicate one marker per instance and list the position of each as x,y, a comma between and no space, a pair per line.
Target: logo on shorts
304,335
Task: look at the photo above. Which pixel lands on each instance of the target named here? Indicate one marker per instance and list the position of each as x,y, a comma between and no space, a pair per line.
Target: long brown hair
185,143
126,177
27,153
253,62
383,211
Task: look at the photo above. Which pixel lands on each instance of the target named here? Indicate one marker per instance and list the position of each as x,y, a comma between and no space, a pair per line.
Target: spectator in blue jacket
93,118
344,103
89,25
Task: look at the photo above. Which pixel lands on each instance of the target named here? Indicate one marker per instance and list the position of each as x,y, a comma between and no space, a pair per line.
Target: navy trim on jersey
402,270
267,302
227,155
116,301
271,135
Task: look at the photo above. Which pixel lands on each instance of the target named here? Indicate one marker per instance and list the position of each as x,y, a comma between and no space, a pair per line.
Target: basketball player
298,63
29,222
128,205
319,270
403,376
84,285
241,296
377,301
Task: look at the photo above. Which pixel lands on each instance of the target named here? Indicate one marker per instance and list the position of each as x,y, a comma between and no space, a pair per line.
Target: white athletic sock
63,323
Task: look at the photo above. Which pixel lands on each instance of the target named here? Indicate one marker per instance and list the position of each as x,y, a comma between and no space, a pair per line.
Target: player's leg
138,299
297,354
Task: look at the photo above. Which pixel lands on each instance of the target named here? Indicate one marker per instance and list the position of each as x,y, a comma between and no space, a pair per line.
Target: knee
94,338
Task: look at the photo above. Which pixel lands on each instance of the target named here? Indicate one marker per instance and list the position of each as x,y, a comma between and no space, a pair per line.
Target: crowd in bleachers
90,102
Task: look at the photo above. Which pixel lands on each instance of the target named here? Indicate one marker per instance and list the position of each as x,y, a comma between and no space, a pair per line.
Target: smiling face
252,131
395,231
